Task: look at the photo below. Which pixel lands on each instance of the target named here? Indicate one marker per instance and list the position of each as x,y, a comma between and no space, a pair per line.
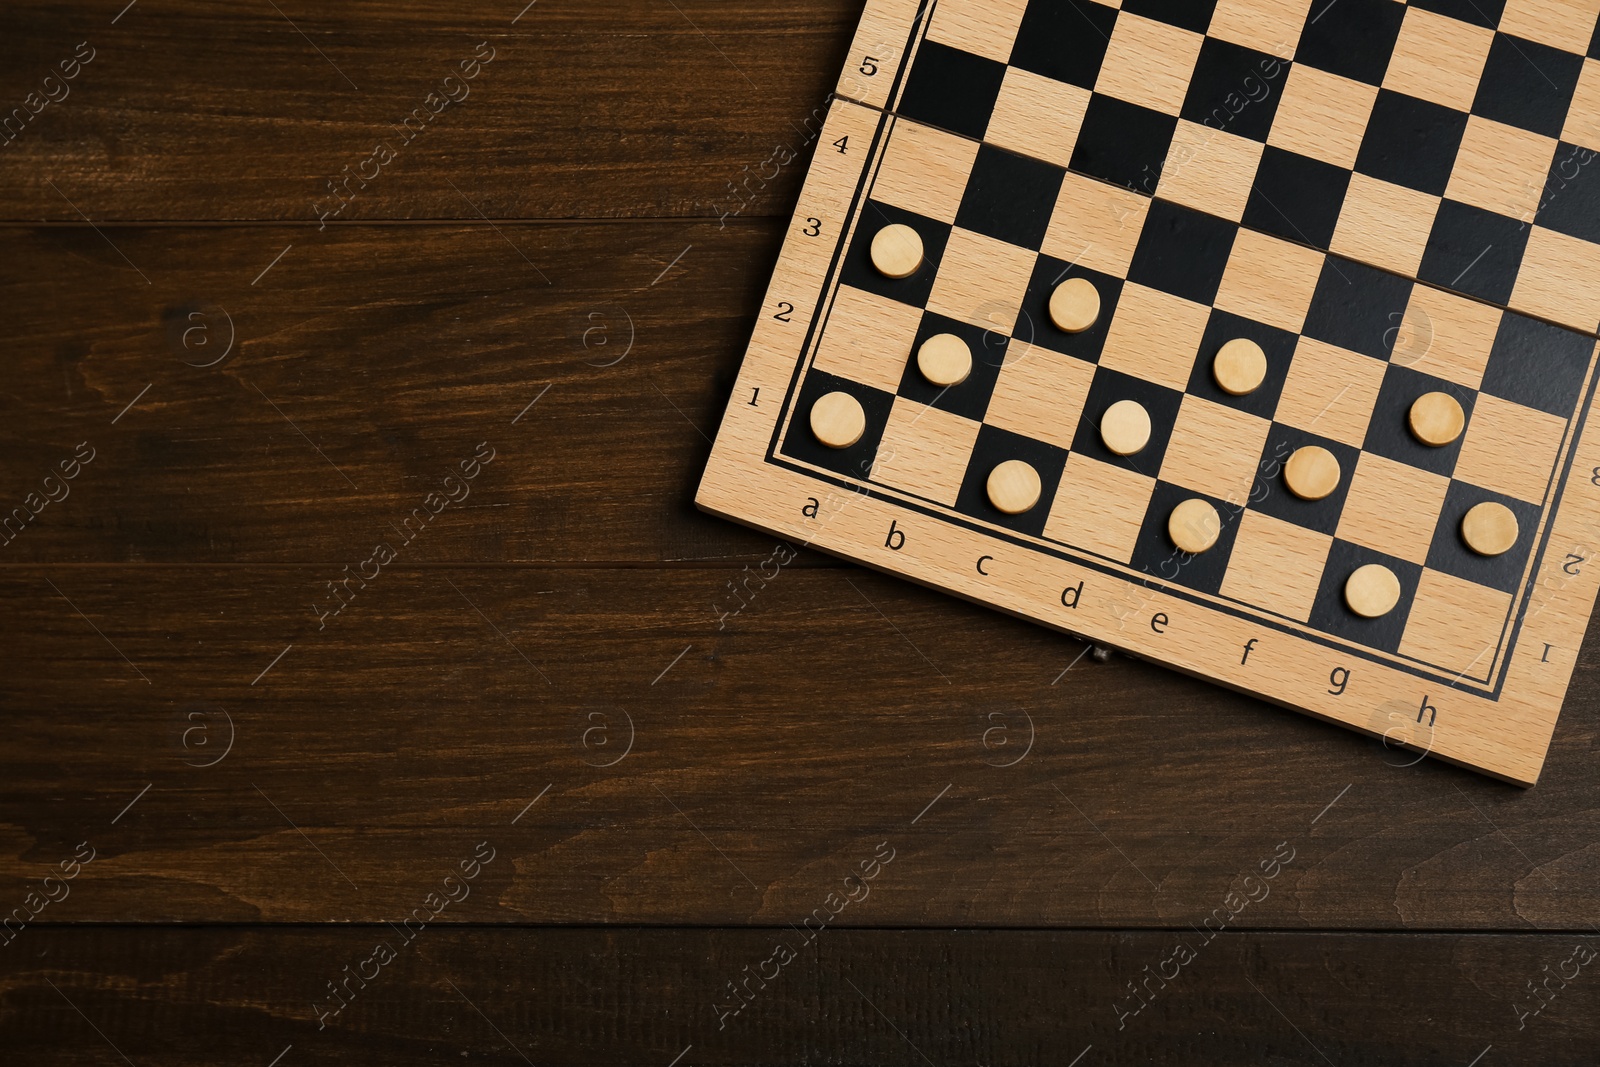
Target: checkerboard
1028,144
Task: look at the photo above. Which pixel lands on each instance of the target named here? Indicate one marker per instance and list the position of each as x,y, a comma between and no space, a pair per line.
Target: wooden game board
1388,199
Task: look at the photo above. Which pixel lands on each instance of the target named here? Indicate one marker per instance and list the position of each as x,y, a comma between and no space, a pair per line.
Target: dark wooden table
519,785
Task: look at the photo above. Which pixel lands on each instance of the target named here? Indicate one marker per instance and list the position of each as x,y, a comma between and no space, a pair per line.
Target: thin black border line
1488,687
1510,630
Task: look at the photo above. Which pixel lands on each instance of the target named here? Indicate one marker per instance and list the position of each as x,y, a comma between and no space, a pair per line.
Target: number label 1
754,395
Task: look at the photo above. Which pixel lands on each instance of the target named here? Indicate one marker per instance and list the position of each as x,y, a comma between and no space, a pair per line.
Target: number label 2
785,309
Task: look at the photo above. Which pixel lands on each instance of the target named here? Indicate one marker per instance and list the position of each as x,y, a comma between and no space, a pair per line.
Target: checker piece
1014,487
1125,429
945,360
1489,529
1437,419
1372,591
897,251
1075,305
838,420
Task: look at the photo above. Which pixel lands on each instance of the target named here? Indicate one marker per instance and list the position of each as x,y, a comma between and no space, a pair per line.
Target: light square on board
1215,450
984,27
1155,336
1564,24
1583,120
1269,280
1455,624
1099,507
1438,58
1392,507
1040,394
1501,168
1509,448
1149,63
925,170
1323,116
1276,565
1556,279
1330,391
1038,116
1446,335
1271,26
868,338
1096,225
981,280
1210,170
1385,225
925,451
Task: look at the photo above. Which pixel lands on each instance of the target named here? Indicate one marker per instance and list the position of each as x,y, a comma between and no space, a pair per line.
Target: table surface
566,771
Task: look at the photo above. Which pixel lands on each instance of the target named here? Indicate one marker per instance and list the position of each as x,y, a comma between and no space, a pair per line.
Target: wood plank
835,711
367,363
202,110
628,996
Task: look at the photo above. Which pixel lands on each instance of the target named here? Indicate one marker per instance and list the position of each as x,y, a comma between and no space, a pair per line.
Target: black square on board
1449,553
1156,555
1296,197
855,461
1278,345
1358,308
1235,89
1527,85
1352,38
1411,142
1064,39
1123,143
1484,13
1537,365
1330,613
1158,401
1190,14
1570,203
1010,197
859,271
1182,251
994,447
1270,495
1034,325
1389,433
1474,251
1594,44
970,398
952,89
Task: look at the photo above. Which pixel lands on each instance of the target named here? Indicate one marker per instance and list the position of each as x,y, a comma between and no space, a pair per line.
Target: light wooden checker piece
1003,485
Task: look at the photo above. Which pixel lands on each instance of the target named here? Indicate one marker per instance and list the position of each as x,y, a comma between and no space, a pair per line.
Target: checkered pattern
1349,347
1451,141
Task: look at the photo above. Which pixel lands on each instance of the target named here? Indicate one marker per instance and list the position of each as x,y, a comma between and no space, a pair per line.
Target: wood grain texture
365,365
649,716
203,110
834,711
629,996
